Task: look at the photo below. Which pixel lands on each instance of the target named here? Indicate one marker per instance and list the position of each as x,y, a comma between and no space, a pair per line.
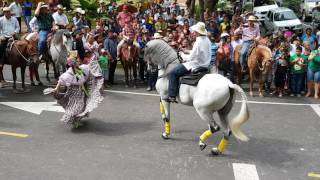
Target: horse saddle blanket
194,77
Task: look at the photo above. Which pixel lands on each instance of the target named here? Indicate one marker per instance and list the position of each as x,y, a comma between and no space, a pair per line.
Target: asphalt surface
122,140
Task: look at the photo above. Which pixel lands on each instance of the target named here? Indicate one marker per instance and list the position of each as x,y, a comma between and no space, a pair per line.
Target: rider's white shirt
60,19
8,26
200,54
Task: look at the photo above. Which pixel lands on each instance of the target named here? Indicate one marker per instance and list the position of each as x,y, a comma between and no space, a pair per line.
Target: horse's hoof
202,145
33,84
40,84
215,151
251,94
165,136
261,95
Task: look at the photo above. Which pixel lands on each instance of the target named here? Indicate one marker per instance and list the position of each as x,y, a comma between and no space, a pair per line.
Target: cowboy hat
224,35
83,12
78,10
200,28
6,9
59,6
157,36
252,18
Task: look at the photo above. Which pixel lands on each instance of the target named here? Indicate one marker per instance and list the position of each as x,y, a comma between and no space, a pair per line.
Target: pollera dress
82,95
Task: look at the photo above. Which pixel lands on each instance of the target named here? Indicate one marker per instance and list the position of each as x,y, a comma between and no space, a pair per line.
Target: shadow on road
99,127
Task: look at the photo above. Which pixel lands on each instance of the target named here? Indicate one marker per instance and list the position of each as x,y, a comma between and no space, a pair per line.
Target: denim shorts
313,75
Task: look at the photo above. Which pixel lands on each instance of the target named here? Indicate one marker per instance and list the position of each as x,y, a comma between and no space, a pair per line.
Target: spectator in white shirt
60,19
181,18
16,10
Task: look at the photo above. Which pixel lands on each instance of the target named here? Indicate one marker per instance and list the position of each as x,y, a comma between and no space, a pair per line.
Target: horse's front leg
213,127
36,72
135,74
125,67
23,70
2,82
261,84
14,75
165,115
251,73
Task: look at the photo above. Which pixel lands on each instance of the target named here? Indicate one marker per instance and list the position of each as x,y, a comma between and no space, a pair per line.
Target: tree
203,4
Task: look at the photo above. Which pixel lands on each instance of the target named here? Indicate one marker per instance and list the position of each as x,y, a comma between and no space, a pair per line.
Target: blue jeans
27,20
43,35
175,74
296,81
244,52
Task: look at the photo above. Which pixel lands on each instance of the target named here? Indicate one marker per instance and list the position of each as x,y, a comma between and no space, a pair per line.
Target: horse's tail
242,117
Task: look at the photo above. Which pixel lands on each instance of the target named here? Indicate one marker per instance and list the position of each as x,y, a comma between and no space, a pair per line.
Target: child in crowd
298,63
104,65
281,60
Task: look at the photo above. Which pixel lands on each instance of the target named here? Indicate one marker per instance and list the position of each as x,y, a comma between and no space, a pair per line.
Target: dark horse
129,57
20,54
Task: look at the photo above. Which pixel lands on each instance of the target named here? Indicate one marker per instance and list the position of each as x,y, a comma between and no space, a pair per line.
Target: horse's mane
266,48
161,51
57,37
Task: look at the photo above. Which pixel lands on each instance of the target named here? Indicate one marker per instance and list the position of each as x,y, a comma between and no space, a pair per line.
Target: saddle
194,77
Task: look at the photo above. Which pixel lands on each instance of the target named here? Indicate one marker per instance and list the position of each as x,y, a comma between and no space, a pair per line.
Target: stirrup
170,99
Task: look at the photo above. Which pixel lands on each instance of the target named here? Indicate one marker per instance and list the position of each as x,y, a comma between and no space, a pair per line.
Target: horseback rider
60,19
250,34
9,27
45,23
199,57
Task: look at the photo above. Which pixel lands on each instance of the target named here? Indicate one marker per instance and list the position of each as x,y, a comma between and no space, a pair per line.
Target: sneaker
149,89
291,95
280,95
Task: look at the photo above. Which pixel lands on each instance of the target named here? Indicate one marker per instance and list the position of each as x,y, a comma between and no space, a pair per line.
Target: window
284,16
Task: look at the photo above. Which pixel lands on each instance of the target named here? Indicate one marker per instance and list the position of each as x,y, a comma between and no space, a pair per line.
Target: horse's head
32,53
67,40
266,59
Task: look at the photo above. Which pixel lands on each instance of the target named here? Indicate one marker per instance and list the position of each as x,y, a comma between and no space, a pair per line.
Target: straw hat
83,12
44,6
200,28
6,9
224,35
157,36
59,6
73,54
78,10
252,18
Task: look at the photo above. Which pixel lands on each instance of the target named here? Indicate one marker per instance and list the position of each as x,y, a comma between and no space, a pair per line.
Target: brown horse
20,55
129,58
259,63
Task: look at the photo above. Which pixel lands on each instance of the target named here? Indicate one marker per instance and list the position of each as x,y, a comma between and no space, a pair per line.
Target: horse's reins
14,44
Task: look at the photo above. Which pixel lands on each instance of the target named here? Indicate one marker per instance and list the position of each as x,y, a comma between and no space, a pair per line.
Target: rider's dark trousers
175,74
112,70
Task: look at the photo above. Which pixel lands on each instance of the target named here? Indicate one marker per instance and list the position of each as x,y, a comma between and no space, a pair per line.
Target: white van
261,10
282,19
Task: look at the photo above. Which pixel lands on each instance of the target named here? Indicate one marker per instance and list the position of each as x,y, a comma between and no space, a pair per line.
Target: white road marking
316,108
35,107
250,102
245,171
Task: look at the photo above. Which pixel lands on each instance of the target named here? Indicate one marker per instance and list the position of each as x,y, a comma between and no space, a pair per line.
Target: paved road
121,140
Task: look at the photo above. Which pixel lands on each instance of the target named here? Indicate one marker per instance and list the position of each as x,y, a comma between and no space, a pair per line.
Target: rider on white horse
199,57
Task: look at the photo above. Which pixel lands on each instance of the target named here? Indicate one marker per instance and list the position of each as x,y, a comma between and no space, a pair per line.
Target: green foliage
293,4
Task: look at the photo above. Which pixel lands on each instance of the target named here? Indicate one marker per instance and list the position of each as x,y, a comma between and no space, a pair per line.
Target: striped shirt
214,50
249,33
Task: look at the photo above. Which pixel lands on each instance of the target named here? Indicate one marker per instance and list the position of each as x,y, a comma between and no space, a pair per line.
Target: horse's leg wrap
161,108
207,134
167,126
222,145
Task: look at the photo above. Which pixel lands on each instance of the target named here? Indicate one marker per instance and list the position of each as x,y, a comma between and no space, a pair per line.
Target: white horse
60,45
214,93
